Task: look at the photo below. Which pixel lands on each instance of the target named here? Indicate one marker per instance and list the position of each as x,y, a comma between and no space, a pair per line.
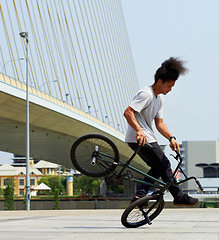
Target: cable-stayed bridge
81,74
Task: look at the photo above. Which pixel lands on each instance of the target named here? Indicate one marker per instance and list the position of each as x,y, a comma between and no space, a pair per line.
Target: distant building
201,159
20,161
48,168
17,175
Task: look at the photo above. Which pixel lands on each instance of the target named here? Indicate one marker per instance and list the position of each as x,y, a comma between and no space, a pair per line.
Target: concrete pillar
129,188
103,187
69,183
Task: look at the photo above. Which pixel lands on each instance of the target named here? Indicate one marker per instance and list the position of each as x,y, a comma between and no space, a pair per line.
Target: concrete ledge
94,204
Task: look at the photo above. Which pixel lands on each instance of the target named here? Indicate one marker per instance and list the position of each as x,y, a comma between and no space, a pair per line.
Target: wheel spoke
143,211
94,155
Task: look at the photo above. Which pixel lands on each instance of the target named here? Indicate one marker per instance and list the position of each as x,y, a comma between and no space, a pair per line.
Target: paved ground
180,224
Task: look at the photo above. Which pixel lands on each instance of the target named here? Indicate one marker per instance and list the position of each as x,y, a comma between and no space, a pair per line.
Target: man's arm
162,129
129,114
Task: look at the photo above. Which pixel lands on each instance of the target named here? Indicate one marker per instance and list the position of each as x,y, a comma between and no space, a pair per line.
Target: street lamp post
25,36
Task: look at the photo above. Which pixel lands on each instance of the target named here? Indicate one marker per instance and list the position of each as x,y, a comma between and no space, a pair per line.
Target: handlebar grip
199,185
146,144
177,152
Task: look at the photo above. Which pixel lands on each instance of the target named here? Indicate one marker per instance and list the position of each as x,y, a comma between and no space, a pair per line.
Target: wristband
171,138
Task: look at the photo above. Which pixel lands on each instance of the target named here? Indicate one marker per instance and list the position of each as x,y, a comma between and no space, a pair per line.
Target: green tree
56,199
54,182
9,198
86,185
9,181
1,191
96,187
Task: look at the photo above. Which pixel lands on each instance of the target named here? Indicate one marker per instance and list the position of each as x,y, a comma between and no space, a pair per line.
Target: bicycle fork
145,214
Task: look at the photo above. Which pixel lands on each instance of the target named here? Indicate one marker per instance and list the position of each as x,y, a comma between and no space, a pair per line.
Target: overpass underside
81,75
54,125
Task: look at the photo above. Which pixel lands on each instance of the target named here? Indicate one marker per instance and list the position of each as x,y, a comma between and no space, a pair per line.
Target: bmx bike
96,155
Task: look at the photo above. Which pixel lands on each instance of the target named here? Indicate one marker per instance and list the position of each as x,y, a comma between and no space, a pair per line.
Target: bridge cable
8,40
80,74
110,83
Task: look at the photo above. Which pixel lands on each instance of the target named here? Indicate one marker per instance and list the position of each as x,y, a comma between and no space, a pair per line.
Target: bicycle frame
157,183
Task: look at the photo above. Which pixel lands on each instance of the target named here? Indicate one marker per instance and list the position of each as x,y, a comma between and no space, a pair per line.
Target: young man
146,107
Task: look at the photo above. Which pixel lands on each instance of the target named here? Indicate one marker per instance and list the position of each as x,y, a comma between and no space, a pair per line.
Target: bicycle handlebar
200,186
178,156
147,144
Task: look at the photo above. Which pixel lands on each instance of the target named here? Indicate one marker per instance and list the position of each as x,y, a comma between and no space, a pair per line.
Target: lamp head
24,35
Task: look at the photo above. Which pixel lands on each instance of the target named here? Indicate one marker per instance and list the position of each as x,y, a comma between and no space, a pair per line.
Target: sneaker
186,200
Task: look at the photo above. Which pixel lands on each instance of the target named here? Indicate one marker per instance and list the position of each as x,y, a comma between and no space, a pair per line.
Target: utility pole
25,36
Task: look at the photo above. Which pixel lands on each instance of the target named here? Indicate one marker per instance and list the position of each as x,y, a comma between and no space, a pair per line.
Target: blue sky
187,29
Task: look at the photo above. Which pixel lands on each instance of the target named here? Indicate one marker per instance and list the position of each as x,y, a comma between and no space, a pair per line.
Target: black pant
160,167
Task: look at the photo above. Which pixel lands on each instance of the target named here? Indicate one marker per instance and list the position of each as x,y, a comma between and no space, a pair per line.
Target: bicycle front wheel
142,211
94,155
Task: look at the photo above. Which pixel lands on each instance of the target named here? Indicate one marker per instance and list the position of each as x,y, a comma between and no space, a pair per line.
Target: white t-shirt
147,107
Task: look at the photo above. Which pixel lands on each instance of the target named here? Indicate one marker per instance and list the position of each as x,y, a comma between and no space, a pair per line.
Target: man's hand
174,145
129,114
140,136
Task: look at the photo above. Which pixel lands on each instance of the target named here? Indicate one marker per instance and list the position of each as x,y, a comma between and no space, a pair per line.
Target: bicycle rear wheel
142,211
94,155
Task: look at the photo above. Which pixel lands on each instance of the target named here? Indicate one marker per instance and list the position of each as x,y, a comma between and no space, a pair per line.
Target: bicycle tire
84,150
137,213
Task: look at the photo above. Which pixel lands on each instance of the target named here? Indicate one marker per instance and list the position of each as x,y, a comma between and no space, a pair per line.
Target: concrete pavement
180,224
